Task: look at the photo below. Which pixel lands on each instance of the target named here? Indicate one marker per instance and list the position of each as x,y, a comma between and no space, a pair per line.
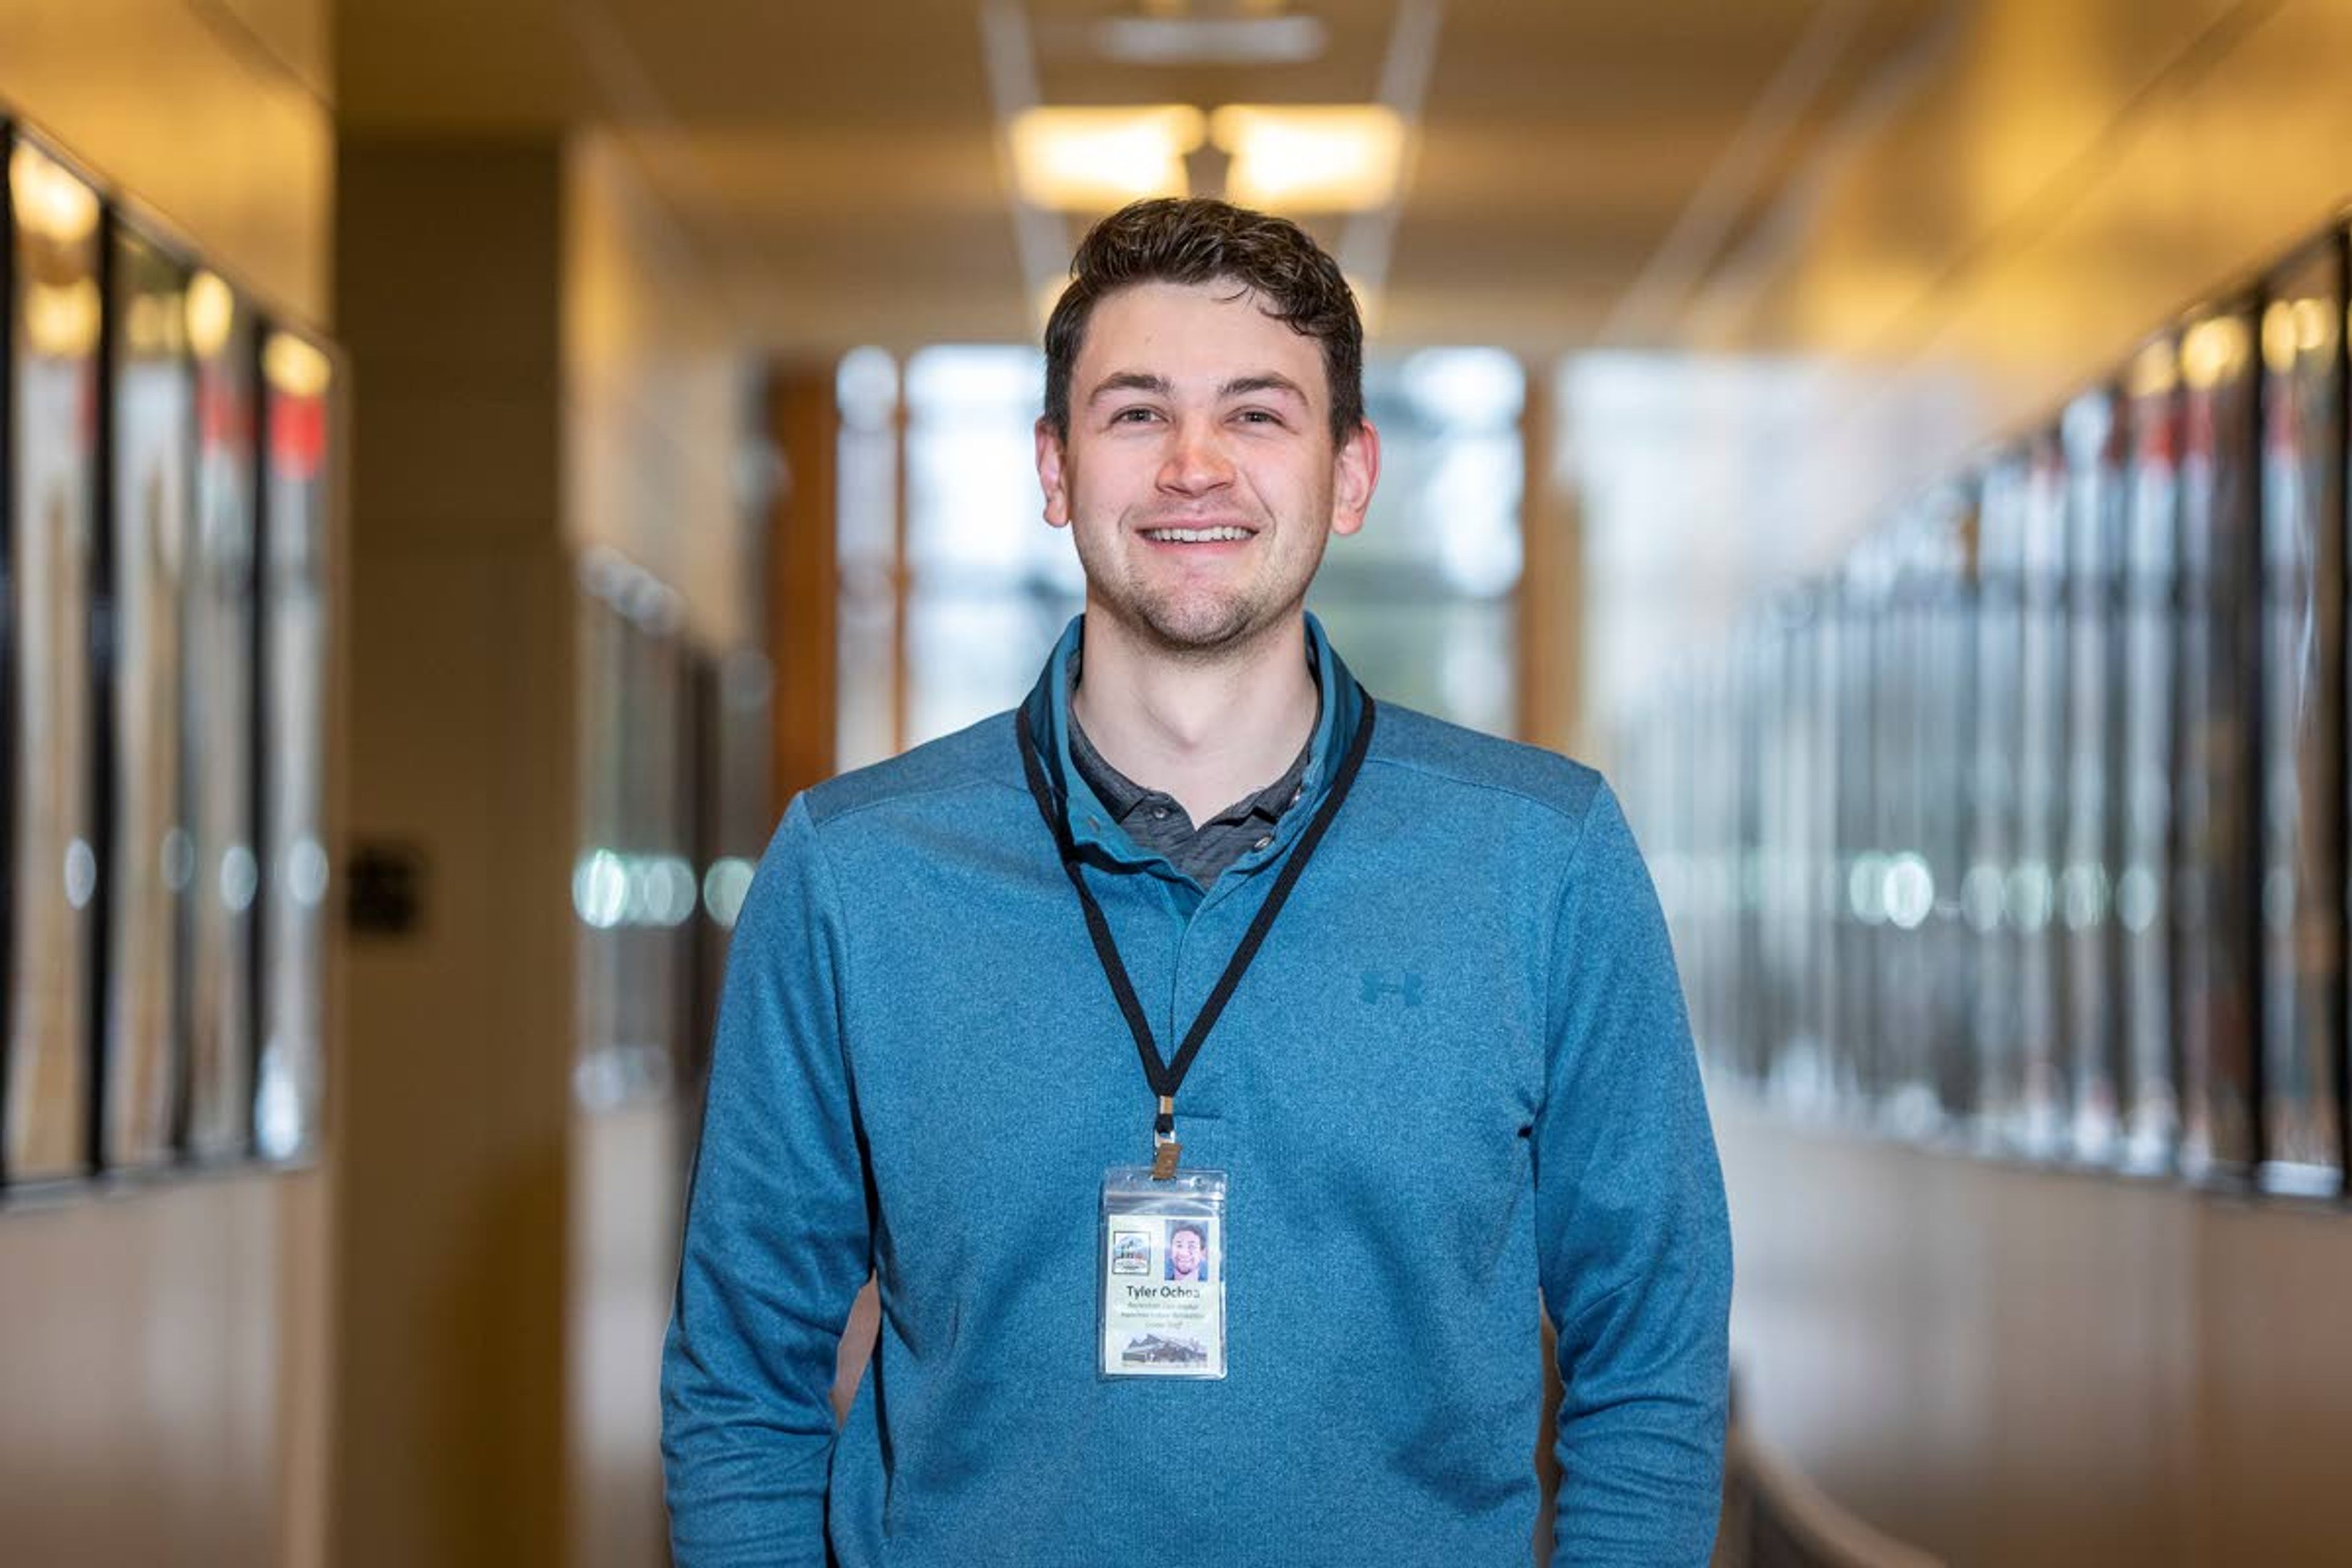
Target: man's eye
1133,416
1259,417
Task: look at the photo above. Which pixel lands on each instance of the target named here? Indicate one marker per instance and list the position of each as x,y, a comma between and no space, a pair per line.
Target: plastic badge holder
1161,1312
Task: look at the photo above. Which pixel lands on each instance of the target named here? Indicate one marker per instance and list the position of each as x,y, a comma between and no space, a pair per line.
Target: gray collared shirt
1157,822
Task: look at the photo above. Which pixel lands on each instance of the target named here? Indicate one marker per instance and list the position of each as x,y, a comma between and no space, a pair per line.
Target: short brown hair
1202,241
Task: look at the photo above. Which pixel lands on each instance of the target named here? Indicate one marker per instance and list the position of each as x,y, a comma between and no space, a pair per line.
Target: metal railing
1774,1518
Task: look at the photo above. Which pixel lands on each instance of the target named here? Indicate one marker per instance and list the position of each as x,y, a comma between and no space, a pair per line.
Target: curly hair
1199,240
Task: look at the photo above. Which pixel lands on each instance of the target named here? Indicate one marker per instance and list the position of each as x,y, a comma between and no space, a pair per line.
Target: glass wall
151,852
2129,704
167,528
635,887
289,1078
53,863
989,584
1420,603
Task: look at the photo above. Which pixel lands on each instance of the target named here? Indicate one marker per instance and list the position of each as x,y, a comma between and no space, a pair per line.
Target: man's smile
1221,533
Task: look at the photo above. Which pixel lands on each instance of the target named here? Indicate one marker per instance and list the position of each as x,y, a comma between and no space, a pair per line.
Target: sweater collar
1093,824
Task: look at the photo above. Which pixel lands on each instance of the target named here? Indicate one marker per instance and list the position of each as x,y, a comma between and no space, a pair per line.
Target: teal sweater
1457,1079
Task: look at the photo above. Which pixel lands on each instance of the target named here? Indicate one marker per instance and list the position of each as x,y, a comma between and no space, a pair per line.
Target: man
1400,1012
1187,1252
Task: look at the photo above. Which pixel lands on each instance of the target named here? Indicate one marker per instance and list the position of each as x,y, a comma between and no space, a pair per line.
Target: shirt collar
1093,821
1124,797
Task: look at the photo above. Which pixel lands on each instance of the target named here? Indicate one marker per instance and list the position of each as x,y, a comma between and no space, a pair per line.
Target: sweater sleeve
1634,1242
777,1234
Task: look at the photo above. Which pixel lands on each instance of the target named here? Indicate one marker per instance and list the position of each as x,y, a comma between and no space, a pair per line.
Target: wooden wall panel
146,1365
2024,1367
453,1198
803,578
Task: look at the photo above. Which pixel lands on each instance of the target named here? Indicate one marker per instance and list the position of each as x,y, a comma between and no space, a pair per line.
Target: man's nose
1197,461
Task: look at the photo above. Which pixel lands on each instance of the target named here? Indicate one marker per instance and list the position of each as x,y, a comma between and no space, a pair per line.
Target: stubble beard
1193,624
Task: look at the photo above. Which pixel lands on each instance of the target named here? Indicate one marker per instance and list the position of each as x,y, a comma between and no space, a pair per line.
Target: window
1421,603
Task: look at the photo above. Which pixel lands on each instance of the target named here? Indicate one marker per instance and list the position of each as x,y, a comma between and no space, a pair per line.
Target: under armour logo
1377,986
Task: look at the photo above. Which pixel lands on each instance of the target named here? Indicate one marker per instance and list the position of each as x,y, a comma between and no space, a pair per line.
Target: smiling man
1377,1013
1187,1242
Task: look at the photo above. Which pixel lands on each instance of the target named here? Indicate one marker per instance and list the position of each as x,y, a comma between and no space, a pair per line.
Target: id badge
1163,1255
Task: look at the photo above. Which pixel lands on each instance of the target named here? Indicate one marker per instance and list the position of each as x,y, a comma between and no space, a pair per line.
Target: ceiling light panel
1093,159
1320,158
1210,40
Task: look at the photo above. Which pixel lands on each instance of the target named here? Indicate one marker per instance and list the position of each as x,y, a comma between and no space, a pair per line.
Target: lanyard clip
1165,1149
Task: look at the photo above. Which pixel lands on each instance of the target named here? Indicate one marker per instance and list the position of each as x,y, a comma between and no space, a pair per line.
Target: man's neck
1208,731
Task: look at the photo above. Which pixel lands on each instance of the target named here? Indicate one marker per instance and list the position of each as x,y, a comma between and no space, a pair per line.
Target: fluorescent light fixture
1092,160
1210,41
1318,158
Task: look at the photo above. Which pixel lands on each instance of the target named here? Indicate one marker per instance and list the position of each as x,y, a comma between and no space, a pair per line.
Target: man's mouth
1197,535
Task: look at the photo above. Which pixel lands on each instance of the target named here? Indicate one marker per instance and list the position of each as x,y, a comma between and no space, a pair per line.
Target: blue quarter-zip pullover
1458,1077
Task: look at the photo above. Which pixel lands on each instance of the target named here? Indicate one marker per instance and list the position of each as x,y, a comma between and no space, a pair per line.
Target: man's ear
1050,478
1355,474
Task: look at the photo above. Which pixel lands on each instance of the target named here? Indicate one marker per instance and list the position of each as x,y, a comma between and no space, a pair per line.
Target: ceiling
1582,171
1896,230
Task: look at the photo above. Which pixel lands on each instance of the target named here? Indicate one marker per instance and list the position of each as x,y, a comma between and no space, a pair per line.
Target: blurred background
465,465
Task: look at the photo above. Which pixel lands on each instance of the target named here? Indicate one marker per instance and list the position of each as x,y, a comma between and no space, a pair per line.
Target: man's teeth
1195,535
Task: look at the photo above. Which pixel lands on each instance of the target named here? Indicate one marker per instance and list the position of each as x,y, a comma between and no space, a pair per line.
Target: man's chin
1201,627
1199,636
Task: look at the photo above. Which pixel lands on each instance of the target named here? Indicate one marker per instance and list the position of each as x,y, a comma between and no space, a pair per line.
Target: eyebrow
1159,386
1265,381
1130,380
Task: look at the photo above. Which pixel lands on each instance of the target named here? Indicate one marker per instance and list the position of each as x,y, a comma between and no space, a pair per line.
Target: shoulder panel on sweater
1450,754
982,754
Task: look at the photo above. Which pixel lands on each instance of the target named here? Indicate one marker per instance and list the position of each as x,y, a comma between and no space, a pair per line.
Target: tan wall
654,415
625,1198
2021,1367
456,1091
163,1387
655,399
541,371
164,1375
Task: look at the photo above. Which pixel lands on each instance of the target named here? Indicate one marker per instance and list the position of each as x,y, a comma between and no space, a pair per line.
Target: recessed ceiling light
1210,40
1311,158
1092,160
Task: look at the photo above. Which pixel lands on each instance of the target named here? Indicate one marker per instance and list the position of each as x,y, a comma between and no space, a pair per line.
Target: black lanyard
1166,1077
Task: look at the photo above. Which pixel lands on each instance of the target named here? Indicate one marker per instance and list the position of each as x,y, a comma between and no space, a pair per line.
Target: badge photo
1162,1286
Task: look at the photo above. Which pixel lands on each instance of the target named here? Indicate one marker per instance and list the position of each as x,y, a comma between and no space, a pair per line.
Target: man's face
1199,479
1184,1253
